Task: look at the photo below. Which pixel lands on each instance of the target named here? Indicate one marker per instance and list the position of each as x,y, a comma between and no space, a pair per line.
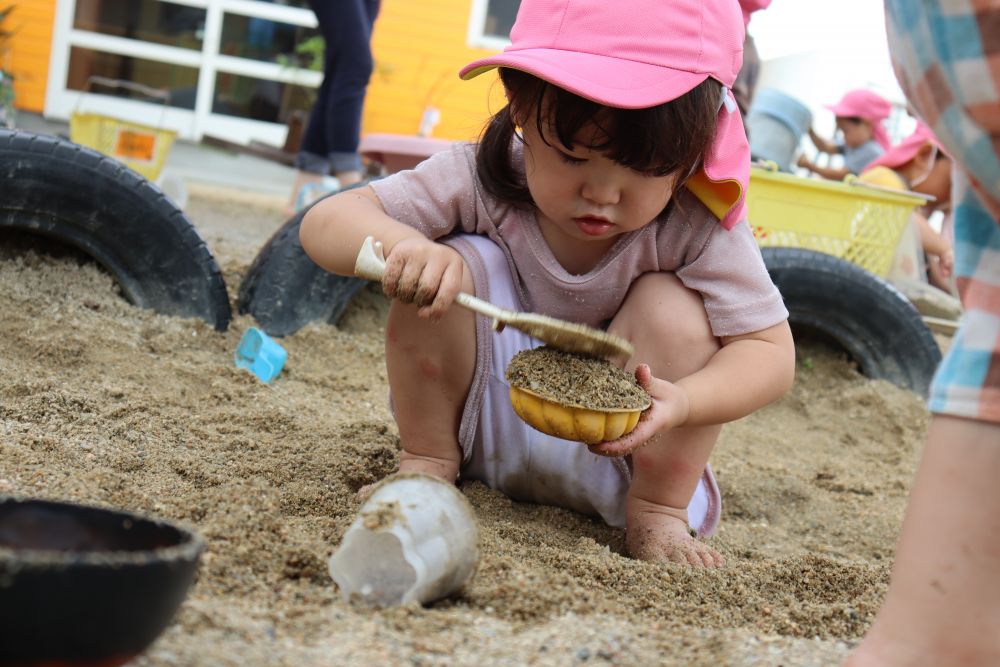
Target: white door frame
193,125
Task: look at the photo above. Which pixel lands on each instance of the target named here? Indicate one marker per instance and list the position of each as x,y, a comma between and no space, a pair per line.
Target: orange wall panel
419,47
28,51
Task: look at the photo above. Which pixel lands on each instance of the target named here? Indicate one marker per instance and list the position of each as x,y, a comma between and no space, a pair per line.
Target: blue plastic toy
260,354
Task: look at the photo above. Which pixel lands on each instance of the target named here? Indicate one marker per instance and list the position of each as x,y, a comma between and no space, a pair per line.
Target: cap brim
625,84
900,154
844,111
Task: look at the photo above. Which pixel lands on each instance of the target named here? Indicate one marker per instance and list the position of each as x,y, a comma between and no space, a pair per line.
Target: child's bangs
666,139
658,141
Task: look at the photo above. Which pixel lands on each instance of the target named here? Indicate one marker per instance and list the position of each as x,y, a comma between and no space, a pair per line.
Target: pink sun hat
906,149
636,54
863,103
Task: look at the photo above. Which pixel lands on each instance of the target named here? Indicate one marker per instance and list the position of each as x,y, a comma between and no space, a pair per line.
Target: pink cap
638,54
862,103
906,149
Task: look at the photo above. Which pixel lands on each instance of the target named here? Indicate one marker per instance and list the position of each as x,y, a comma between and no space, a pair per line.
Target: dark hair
672,137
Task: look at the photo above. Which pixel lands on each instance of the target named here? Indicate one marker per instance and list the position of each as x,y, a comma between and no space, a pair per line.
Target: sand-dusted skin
575,397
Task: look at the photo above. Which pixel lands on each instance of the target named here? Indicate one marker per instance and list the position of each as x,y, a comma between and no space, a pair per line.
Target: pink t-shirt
443,196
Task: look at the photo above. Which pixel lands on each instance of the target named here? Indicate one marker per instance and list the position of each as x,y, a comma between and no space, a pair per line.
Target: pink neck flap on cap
635,54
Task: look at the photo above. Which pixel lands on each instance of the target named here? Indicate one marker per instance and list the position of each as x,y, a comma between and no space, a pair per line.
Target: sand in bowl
574,397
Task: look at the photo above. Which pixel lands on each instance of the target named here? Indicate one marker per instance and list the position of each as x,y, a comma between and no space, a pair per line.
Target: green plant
6,76
308,55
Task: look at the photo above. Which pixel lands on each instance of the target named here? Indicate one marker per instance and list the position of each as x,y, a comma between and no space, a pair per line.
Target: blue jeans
330,142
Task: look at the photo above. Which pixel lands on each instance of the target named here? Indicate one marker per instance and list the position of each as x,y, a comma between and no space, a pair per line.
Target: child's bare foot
446,469
659,533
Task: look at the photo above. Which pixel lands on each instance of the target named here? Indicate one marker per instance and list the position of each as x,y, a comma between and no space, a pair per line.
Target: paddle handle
370,265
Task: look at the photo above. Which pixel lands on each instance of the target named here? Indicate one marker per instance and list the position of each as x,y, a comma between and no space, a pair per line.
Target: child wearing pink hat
918,163
860,114
609,190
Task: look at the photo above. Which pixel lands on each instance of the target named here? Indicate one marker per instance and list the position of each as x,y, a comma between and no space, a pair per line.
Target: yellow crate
849,220
142,148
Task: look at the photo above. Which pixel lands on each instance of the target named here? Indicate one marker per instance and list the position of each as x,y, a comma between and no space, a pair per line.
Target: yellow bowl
572,422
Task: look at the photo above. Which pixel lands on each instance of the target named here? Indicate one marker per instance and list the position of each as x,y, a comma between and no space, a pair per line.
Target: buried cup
415,539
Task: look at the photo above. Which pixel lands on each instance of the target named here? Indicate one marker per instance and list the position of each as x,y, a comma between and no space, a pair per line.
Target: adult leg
668,325
942,606
349,46
330,141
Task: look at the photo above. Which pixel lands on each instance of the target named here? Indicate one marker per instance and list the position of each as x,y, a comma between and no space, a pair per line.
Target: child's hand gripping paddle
567,336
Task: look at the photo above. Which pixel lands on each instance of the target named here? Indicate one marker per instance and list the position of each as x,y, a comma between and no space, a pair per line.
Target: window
147,20
490,23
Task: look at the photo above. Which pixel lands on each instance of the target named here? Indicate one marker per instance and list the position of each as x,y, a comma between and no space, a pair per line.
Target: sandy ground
105,403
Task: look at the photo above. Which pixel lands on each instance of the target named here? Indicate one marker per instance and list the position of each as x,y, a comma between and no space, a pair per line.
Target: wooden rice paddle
567,336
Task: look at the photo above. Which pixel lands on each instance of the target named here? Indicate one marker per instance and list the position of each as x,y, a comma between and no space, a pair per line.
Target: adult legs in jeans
330,142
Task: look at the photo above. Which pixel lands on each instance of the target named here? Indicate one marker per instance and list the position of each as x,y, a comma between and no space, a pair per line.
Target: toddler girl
610,190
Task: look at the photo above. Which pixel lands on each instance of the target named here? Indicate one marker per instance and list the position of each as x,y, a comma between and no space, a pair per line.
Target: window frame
476,38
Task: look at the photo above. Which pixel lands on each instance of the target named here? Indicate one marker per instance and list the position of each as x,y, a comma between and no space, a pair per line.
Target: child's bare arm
833,173
333,229
934,243
417,270
747,373
823,144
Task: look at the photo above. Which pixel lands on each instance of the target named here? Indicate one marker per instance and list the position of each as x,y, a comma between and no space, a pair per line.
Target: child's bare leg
669,327
430,367
943,604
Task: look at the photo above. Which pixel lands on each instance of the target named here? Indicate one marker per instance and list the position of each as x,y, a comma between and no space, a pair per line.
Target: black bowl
87,586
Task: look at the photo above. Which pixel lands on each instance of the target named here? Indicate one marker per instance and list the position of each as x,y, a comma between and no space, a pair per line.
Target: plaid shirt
947,58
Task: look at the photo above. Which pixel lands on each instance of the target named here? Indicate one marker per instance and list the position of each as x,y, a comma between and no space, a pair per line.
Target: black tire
871,320
52,187
284,290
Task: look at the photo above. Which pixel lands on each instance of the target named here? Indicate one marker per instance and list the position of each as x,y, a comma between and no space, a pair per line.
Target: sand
105,403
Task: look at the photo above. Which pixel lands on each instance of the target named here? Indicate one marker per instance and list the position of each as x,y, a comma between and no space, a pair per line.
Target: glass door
230,66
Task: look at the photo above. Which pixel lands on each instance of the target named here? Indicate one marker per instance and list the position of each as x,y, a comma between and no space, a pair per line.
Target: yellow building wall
419,47
29,49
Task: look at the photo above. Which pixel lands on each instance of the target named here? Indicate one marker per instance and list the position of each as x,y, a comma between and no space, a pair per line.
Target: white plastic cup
415,538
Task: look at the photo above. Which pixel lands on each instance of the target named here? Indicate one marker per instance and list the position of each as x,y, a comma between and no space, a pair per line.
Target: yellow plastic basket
850,220
142,148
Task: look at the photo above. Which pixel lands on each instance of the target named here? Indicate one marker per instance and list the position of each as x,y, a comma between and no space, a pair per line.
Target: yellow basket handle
766,165
854,181
156,93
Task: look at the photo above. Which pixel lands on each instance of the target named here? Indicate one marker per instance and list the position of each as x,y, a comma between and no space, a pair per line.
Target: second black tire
284,290
866,316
